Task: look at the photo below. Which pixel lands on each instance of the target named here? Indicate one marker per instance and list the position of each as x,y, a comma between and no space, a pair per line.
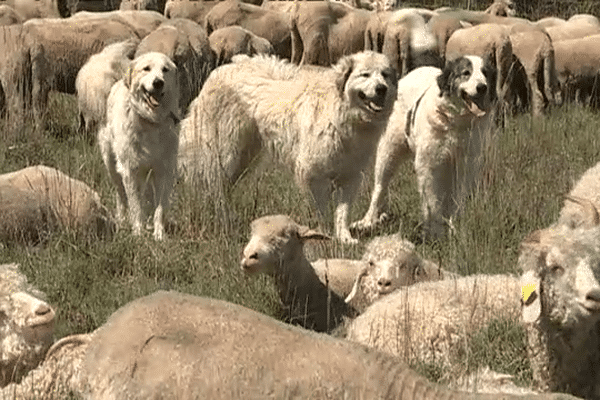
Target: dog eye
466,73
146,68
165,69
365,75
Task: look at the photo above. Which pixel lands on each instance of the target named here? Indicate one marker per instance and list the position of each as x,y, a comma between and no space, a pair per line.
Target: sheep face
390,274
561,276
26,328
275,240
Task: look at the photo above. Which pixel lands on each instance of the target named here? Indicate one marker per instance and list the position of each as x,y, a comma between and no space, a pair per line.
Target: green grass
529,169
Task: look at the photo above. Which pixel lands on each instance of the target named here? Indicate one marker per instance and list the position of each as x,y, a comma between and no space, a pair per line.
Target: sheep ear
531,307
533,239
591,212
305,233
343,68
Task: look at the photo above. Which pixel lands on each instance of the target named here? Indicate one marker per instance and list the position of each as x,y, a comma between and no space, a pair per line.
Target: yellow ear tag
527,290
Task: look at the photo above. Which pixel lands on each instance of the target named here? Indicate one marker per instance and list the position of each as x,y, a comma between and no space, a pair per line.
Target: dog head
152,82
367,81
470,80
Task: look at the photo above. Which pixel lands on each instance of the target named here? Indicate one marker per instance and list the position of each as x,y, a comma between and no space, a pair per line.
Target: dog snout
381,90
158,84
481,89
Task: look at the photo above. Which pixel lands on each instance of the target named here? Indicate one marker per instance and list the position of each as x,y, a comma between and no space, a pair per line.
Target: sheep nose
42,309
381,90
158,84
384,283
481,89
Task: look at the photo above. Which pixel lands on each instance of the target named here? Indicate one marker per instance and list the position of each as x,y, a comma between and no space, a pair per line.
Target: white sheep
428,320
39,199
586,193
26,326
561,307
276,247
96,78
58,376
176,346
391,262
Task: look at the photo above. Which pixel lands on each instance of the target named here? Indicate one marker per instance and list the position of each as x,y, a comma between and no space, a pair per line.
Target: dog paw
367,224
348,239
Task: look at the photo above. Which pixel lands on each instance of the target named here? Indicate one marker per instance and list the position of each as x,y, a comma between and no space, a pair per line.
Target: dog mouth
152,97
374,104
475,104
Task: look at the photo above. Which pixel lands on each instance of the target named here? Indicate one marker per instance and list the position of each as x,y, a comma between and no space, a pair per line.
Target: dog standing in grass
139,141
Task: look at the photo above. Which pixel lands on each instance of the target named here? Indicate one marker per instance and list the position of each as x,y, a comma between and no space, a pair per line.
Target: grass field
528,170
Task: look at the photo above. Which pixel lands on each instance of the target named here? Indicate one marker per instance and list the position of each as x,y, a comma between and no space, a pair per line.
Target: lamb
561,307
391,262
586,193
59,376
96,78
26,326
36,200
276,248
176,346
428,320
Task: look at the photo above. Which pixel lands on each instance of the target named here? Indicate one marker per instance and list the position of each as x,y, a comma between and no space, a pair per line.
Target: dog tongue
474,109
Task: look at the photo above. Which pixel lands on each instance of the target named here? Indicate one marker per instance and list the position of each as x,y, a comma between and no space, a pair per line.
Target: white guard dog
139,141
323,122
442,119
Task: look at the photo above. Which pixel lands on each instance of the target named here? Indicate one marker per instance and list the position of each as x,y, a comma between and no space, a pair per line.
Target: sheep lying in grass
427,320
175,346
26,325
276,247
585,194
391,262
59,376
39,199
561,307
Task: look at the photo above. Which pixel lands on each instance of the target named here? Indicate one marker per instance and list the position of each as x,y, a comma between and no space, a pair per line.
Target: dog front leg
392,149
133,191
346,194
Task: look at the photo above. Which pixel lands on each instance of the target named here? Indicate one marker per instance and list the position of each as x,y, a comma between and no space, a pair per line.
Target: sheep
427,321
95,79
561,307
586,193
26,326
58,376
276,248
391,262
39,199
170,345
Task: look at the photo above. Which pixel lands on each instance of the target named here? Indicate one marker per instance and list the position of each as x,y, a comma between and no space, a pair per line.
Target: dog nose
481,89
381,90
158,84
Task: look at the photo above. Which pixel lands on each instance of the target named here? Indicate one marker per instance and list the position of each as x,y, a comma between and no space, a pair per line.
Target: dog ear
490,70
444,79
128,75
343,68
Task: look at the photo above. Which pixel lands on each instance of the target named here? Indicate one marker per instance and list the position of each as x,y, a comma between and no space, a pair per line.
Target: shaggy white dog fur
139,141
442,119
323,122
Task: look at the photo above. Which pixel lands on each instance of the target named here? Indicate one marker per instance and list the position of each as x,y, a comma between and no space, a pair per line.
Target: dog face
471,80
152,81
368,82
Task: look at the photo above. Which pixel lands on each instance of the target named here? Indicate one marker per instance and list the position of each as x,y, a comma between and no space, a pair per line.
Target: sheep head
26,325
561,272
274,240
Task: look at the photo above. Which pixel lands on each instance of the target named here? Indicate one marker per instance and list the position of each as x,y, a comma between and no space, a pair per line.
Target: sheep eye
371,263
557,270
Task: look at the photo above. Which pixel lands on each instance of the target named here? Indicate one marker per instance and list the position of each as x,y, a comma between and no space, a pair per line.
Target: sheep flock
470,135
